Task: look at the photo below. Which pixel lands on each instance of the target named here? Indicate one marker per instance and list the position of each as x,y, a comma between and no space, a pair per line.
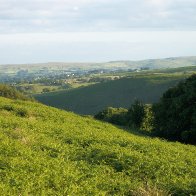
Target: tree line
173,117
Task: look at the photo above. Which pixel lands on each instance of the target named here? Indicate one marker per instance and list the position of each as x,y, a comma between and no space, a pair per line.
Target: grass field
147,86
46,151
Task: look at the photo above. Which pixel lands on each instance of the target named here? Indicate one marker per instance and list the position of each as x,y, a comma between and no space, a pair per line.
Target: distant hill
172,62
46,151
147,87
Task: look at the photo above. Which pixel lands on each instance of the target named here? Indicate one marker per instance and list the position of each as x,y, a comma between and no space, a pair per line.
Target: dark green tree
175,114
136,114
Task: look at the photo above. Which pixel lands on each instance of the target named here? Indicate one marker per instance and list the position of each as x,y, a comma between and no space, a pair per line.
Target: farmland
146,86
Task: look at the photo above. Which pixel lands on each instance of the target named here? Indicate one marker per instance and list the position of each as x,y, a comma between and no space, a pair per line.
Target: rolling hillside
46,151
118,93
172,62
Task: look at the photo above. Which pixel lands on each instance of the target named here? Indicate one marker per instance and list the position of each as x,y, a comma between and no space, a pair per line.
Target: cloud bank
34,16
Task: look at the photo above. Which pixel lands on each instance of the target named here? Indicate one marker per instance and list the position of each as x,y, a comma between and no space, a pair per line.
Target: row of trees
173,117
138,116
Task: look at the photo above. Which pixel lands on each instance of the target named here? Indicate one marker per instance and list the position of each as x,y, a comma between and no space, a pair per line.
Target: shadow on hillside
135,131
126,128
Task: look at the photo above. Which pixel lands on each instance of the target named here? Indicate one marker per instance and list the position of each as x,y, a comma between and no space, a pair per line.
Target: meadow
47,151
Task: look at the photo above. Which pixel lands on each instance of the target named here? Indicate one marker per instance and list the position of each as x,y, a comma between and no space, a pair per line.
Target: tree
175,114
136,114
147,122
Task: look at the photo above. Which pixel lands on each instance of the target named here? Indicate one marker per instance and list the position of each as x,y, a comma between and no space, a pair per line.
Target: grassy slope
118,93
45,151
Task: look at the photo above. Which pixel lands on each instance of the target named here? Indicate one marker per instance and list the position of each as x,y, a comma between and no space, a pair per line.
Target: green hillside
46,151
147,87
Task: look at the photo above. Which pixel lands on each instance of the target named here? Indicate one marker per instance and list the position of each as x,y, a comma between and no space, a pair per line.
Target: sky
33,31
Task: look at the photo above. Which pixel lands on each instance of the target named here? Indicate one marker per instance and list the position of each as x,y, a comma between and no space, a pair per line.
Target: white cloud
95,15
159,2
75,8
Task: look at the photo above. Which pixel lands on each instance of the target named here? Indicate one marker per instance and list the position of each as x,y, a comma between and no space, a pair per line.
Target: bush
46,90
8,108
12,93
116,116
22,112
175,114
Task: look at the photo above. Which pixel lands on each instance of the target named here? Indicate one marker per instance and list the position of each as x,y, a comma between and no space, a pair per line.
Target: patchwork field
146,87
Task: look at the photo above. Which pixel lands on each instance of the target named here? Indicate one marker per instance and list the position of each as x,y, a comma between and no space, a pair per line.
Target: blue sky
95,30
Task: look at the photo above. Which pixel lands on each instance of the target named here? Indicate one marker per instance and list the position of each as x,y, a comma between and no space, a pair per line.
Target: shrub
22,112
8,108
116,116
46,90
12,93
